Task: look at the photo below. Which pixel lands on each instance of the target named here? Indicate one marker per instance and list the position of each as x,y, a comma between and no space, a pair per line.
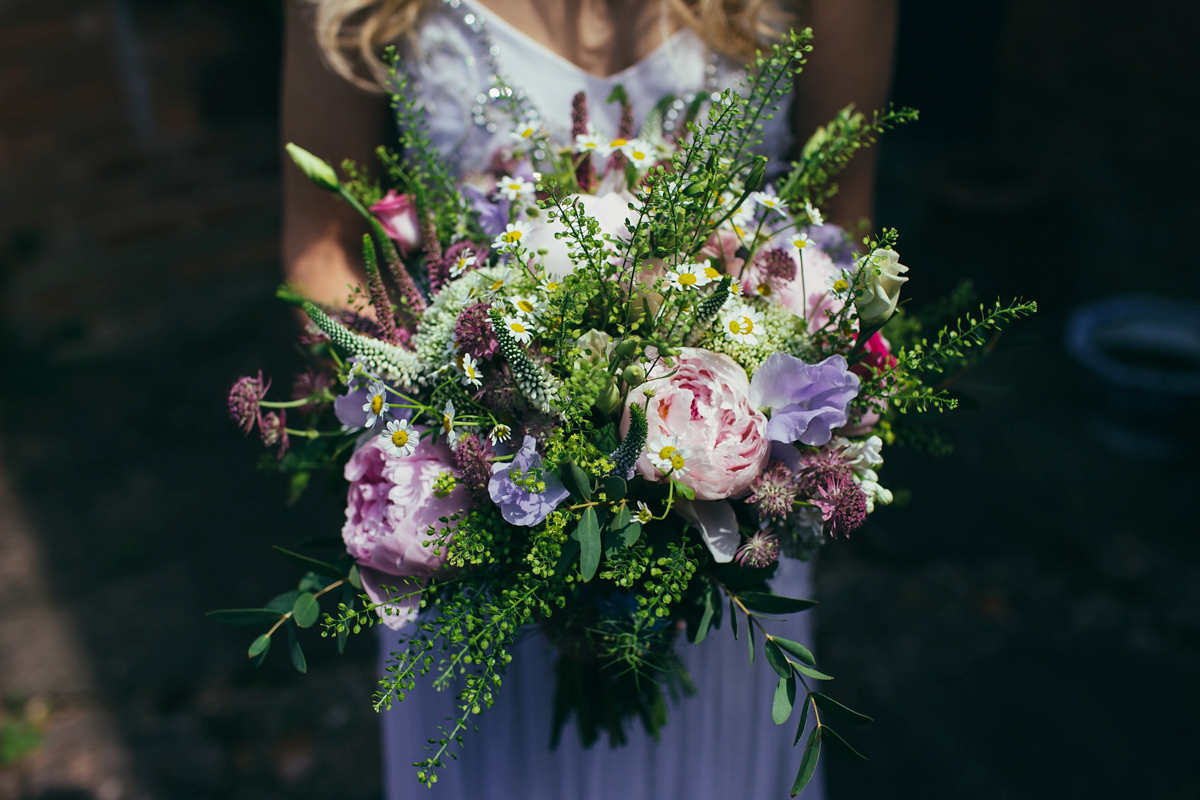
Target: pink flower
723,245
397,213
701,408
610,210
877,358
392,511
808,294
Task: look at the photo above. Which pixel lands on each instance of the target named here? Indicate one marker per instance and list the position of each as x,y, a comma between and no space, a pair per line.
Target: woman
721,744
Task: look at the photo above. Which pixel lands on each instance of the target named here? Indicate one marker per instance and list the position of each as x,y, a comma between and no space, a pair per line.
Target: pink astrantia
701,403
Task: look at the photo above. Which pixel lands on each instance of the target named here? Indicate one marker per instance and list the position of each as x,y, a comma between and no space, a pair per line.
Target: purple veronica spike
807,401
533,495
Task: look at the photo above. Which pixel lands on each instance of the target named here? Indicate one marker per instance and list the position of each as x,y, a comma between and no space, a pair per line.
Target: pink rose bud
397,213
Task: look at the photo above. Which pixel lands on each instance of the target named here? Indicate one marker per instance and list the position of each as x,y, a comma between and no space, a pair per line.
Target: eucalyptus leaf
812,673
306,610
283,602
767,603
750,636
249,617
803,721
317,566
841,745
808,762
785,699
576,480
614,488
355,578
733,621
260,645
706,618
840,712
777,659
588,534
798,650
570,551
294,650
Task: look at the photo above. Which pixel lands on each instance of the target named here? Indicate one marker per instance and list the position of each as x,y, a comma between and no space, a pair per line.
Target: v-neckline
490,17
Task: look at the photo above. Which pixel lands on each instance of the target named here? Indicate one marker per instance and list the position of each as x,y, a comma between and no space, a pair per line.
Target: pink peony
397,213
392,508
701,407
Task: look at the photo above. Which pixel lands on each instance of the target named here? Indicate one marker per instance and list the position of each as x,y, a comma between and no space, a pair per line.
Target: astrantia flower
470,370
525,493
520,329
774,492
813,214
513,236
472,457
741,323
447,424
244,398
473,332
377,404
515,188
843,504
273,429
398,439
818,466
759,552
500,433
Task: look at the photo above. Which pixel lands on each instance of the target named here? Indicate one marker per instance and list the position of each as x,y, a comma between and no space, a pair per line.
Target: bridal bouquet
600,389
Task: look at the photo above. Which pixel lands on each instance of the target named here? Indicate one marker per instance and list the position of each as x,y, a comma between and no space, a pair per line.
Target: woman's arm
851,62
329,117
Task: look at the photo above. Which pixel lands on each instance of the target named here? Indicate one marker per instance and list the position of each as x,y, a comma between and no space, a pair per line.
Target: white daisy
470,370
767,200
466,259
640,153
688,276
526,306
669,458
801,241
398,439
589,141
744,212
643,515
448,423
741,323
528,129
512,237
377,404
515,188
520,329
814,214
839,283
549,285
500,433
607,148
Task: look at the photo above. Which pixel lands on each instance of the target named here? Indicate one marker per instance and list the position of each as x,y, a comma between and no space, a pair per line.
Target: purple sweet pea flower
834,241
518,505
493,215
807,401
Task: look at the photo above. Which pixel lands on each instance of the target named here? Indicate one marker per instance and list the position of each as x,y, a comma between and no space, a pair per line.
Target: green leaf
614,488
306,610
840,744
576,480
354,578
317,566
283,602
798,650
260,645
294,649
803,721
588,534
777,659
347,600
621,531
710,608
686,491
733,622
812,673
840,712
570,551
750,636
808,763
296,486
768,603
249,617
785,698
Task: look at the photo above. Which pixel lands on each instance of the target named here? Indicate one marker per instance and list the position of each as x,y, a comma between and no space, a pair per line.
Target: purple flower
759,552
273,429
474,334
807,401
528,496
836,243
842,503
244,399
493,215
774,492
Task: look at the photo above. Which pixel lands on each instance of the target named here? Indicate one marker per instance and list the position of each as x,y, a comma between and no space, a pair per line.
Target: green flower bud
757,173
633,375
609,399
317,170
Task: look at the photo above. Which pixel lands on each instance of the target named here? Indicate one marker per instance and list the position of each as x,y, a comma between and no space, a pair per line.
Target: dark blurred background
1026,626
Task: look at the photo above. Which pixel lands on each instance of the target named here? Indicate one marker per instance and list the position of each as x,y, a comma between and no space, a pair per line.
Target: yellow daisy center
618,142
447,423
497,284
516,187
525,306
801,244
676,461
711,273
400,438
840,285
764,289
516,327
527,132
376,404
638,155
511,237
747,325
667,452
687,279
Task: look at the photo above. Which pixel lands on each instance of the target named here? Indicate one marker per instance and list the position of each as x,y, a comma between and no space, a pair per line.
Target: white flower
767,200
688,276
801,241
470,370
515,188
528,129
838,283
814,214
512,237
863,455
377,404
643,515
398,439
608,148
640,153
741,323
589,141
500,433
520,329
466,259
669,458
744,212
876,494
526,306
549,285
881,290
448,423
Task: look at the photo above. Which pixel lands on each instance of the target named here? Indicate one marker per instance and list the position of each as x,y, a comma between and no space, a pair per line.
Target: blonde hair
352,33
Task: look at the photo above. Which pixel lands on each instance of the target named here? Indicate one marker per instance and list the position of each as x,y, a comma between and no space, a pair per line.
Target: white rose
879,296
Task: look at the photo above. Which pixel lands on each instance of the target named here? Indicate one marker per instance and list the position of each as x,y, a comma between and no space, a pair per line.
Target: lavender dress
721,744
